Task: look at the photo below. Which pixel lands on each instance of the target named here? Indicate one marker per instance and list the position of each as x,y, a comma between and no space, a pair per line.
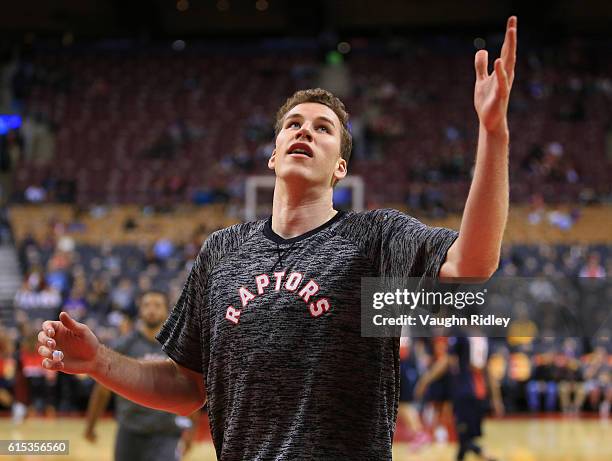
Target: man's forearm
476,251
155,384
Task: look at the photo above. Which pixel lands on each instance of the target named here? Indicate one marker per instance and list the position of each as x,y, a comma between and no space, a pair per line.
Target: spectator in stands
258,126
123,295
57,275
542,383
98,297
593,268
568,374
597,385
150,258
39,139
145,283
7,369
36,298
76,303
110,261
5,229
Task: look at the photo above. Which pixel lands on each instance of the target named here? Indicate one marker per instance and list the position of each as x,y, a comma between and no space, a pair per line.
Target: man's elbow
471,264
188,409
476,271
480,271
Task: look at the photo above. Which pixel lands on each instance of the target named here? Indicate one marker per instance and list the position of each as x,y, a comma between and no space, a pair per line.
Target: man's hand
492,92
75,340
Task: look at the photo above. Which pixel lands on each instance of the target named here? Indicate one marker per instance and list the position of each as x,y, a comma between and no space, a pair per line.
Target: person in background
144,433
466,363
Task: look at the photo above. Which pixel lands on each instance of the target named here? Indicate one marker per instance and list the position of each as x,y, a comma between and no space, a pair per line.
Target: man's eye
293,124
324,128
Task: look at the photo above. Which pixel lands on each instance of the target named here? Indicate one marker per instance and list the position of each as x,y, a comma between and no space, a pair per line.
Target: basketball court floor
522,439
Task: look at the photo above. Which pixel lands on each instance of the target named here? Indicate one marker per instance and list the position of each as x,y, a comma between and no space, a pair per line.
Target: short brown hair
326,98
157,292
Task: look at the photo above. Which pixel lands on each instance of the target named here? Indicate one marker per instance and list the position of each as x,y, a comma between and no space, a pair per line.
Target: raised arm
476,251
163,385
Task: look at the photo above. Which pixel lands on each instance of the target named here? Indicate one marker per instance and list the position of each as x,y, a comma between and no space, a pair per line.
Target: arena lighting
182,5
261,5
178,45
9,122
344,47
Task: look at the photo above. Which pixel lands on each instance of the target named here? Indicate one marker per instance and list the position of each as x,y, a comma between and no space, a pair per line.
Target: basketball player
411,353
466,364
438,395
144,433
267,327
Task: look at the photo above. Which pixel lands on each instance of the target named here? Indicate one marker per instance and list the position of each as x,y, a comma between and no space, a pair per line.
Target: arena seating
129,124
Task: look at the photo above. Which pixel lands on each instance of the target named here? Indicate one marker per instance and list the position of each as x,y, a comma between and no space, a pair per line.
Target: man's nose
304,132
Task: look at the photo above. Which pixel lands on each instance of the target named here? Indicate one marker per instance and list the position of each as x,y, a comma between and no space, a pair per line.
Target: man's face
308,146
153,310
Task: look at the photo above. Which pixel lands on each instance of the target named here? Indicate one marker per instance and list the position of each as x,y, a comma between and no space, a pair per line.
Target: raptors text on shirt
292,282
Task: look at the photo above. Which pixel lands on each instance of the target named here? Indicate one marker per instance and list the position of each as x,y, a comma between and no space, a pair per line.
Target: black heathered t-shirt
130,415
274,326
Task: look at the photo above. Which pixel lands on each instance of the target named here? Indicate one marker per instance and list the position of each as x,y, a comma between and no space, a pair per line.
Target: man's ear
341,169
272,160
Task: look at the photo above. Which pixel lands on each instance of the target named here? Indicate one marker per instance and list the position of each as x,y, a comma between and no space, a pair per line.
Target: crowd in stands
158,126
5,228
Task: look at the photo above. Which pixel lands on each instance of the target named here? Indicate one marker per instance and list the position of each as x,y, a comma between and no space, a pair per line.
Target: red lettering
233,315
262,281
245,296
322,305
310,289
279,277
293,281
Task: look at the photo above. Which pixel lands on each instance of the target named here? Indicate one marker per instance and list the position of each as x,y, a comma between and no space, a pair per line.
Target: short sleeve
410,248
184,334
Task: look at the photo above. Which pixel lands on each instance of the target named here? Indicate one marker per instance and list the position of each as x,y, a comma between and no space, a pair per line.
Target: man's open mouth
300,149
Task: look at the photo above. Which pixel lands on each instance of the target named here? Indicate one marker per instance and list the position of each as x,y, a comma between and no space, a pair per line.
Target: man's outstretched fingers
480,64
510,57
508,52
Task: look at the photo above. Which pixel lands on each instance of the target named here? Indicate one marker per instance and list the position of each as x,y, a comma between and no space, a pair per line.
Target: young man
144,433
268,323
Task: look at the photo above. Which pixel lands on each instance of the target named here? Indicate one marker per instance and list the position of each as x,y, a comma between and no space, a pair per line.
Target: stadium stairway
10,280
